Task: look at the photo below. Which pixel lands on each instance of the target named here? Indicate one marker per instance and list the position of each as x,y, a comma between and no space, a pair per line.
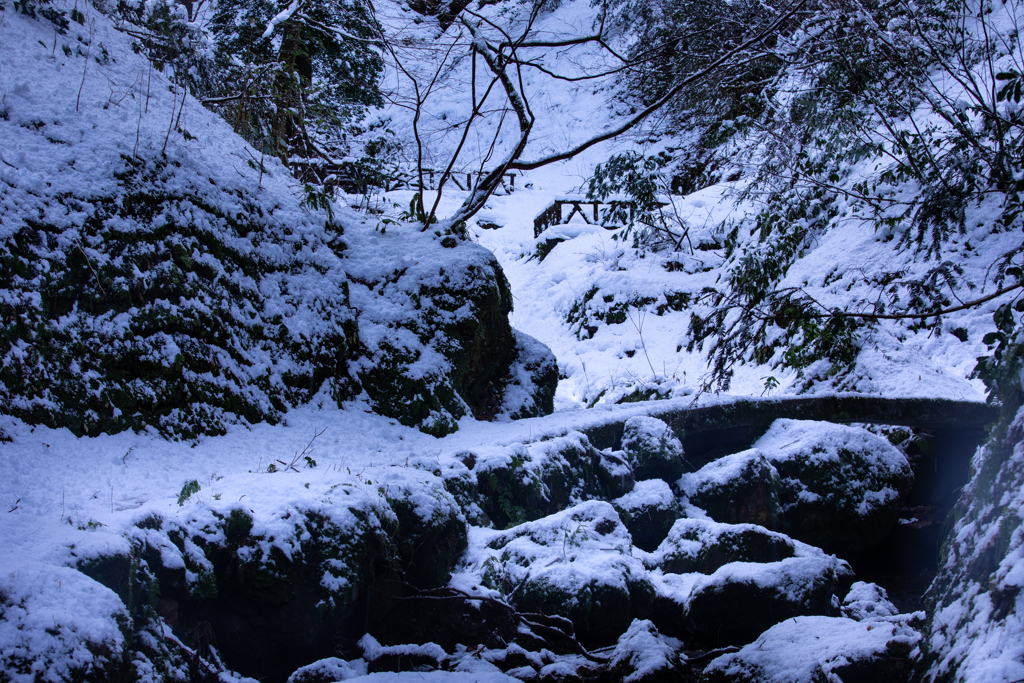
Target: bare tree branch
667,97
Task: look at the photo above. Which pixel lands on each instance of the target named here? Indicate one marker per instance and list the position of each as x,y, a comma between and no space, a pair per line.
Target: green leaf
187,491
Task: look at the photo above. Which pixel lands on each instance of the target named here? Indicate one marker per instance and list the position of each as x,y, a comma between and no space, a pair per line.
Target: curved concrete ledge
711,431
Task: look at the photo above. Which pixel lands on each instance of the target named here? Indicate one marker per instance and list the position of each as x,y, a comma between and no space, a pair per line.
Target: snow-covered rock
653,450
648,511
742,488
840,487
577,564
740,598
808,649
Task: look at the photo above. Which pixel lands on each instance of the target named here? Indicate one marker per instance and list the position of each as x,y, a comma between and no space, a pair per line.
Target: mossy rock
740,600
600,611
613,473
841,488
532,380
463,486
648,511
653,449
444,355
283,595
116,571
814,649
128,574
742,488
575,564
153,313
429,538
702,546
59,625
429,402
538,479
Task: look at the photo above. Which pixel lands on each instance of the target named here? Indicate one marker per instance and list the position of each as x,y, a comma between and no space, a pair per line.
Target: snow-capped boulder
576,564
329,670
431,530
643,655
742,488
652,448
738,600
281,572
58,625
840,487
809,649
528,481
533,378
435,331
702,546
867,601
648,511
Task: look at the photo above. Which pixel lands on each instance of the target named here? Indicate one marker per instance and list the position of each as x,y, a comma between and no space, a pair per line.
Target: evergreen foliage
927,93
296,77
293,78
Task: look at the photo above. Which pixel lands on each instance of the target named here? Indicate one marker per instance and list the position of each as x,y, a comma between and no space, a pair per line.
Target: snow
721,471
806,649
439,676
977,632
336,669
644,650
569,550
54,621
66,499
653,493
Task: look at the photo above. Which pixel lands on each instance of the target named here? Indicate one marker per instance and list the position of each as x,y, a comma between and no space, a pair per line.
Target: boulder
282,587
648,511
287,580
742,488
329,670
56,624
614,474
524,482
431,529
840,487
437,344
652,449
811,649
643,655
738,600
867,601
575,564
702,546
529,390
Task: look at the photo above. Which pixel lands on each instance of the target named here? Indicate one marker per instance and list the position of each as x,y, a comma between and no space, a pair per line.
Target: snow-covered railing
728,426
463,181
611,213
